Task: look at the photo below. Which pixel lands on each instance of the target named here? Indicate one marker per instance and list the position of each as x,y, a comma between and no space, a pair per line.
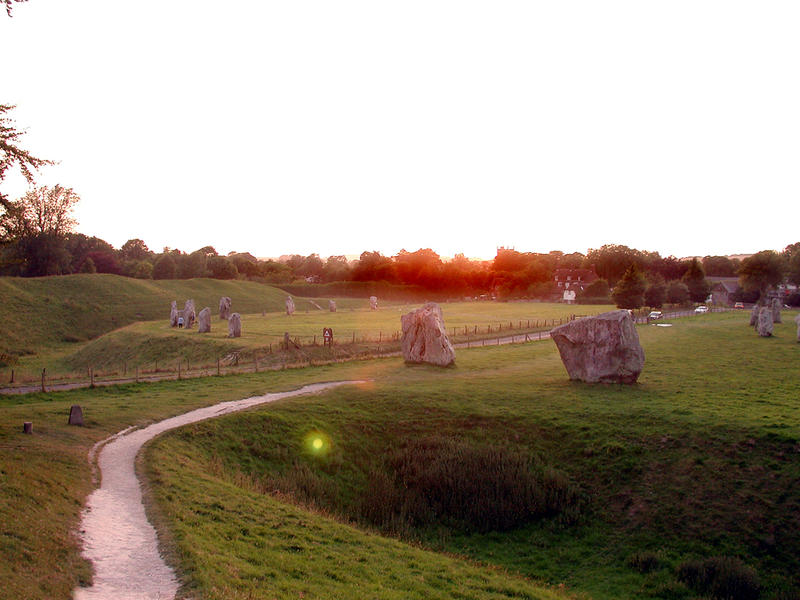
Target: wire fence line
292,352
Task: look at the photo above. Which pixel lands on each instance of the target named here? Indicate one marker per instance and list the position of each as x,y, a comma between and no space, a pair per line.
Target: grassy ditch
682,486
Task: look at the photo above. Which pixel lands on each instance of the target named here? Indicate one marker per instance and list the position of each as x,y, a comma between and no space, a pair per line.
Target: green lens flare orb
317,443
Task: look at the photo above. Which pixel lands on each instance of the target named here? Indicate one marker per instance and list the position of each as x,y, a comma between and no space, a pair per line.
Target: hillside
49,311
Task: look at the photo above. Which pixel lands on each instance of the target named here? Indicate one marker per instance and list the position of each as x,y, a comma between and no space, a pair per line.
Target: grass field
153,345
700,460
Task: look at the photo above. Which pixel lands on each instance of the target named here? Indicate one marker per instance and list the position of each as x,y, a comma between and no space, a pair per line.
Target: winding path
117,537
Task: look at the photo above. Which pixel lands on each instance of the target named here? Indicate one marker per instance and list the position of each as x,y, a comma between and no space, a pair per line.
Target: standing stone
797,320
173,314
75,415
235,325
764,327
224,308
754,314
373,302
204,321
189,316
289,306
601,349
332,305
776,310
425,338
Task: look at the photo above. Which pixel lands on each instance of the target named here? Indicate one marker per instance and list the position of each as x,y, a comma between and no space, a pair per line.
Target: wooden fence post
12,376
179,369
218,365
137,373
91,377
44,374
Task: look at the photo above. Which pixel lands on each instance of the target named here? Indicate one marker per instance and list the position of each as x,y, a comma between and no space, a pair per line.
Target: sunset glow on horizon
339,128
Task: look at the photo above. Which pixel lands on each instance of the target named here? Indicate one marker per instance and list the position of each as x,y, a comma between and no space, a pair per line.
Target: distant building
574,279
723,289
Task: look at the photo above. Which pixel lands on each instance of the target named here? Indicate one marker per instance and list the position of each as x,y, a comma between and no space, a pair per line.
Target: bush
723,577
644,562
481,488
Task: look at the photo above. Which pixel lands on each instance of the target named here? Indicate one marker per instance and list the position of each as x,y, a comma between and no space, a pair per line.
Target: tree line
37,238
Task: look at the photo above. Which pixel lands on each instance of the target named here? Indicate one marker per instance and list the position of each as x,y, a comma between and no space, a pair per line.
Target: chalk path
117,537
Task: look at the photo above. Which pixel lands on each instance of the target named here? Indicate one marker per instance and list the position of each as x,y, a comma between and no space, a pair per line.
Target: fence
293,352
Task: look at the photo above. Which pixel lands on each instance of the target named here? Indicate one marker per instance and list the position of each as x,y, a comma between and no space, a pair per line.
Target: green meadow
681,486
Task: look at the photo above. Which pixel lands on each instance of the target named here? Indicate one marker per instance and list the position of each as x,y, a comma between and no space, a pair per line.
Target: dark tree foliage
695,280
761,271
656,293
791,257
720,266
374,266
164,267
677,292
134,249
222,268
105,262
629,291
611,261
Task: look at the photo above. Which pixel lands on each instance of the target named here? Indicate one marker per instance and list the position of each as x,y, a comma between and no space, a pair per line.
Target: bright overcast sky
337,126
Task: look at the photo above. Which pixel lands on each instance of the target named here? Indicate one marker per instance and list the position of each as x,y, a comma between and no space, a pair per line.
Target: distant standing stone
373,302
173,314
776,310
754,314
425,338
224,308
332,305
75,415
289,305
204,321
764,327
601,349
189,316
797,320
235,325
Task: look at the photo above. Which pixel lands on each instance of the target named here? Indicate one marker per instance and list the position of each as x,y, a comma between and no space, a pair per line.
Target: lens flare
317,443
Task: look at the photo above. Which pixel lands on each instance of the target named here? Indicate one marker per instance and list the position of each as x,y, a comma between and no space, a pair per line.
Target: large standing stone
776,306
75,415
764,326
289,305
754,314
332,305
173,314
224,308
235,325
424,337
189,316
373,302
601,349
204,321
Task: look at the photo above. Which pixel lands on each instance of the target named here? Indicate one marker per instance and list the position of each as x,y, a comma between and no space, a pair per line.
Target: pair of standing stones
601,349
234,323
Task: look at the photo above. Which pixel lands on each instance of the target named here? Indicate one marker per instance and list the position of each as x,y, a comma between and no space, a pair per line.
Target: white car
700,310
656,314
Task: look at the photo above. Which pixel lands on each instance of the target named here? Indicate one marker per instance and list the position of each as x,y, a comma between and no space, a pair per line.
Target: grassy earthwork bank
682,486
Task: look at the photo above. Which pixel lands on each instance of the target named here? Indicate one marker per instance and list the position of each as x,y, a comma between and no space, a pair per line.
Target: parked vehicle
738,305
655,314
700,310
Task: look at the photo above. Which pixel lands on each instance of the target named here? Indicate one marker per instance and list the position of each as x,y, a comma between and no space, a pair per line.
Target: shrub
723,577
644,562
479,487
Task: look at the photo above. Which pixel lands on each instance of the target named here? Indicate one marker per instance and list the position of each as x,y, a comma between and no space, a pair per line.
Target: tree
134,249
8,5
164,267
11,154
596,291
656,293
222,268
719,266
761,271
88,266
695,280
36,226
629,291
791,256
677,293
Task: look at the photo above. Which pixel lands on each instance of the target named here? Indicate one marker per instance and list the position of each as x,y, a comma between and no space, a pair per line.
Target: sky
340,127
